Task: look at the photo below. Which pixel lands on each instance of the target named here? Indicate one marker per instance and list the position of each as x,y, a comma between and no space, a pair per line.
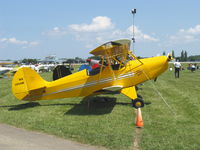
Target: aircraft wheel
138,103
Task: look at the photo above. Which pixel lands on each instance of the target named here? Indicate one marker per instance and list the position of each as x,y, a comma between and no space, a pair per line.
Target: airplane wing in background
4,70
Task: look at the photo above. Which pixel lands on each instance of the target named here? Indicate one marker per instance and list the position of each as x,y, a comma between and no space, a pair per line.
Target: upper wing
112,48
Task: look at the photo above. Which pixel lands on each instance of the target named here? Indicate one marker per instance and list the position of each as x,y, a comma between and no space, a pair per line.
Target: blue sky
70,28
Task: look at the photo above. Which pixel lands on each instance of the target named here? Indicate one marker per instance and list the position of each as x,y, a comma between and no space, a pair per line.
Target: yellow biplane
119,71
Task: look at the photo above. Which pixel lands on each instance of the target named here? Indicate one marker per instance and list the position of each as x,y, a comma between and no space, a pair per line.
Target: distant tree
173,55
185,56
194,58
164,53
94,57
178,58
73,60
70,60
79,60
16,62
182,56
29,61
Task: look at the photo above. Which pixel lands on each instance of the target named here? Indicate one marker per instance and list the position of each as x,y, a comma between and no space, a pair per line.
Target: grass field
111,124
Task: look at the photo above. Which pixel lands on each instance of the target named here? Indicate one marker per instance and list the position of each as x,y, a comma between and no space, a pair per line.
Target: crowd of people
178,67
193,67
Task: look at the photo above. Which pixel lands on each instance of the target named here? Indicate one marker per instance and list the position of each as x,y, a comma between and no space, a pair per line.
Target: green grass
111,124
163,129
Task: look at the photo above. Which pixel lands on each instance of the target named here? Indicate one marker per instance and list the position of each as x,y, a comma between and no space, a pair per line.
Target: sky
72,28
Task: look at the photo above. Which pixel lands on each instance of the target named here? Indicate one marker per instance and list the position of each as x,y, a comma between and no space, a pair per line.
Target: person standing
93,63
193,68
177,66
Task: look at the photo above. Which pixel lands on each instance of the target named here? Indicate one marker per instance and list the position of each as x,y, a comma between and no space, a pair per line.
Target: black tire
138,103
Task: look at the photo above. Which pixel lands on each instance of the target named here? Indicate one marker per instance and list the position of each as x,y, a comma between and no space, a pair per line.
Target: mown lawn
111,124
163,129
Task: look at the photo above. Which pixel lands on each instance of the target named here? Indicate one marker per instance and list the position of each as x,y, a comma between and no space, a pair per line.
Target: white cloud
34,43
100,30
99,23
186,35
195,30
140,36
15,41
56,31
3,39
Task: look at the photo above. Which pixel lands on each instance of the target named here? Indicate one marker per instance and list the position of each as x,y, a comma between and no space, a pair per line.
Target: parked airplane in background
3,67
119,71
4,70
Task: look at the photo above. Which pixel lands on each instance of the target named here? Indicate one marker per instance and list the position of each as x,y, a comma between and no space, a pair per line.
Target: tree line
184,56
64,60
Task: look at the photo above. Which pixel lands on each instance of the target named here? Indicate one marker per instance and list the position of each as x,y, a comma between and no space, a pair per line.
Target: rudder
27,84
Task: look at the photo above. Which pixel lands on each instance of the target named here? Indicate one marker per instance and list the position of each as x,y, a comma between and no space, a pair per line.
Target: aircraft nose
157,65
162,65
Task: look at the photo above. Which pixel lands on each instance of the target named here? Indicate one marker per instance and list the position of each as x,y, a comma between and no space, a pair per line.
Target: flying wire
163,99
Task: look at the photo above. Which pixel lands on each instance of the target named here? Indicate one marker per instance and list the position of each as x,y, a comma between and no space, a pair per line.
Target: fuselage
83,84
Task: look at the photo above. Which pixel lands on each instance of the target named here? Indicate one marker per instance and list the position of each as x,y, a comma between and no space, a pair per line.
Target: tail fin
27,84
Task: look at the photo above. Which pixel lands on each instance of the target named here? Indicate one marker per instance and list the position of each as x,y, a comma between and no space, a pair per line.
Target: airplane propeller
169,57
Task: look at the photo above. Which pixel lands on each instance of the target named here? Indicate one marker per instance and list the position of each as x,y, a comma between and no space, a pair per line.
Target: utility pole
133,11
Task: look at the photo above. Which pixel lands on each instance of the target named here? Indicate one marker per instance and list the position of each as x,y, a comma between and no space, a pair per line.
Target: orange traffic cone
139,122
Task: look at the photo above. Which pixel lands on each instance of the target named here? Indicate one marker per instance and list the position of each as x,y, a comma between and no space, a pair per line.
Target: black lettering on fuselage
19,83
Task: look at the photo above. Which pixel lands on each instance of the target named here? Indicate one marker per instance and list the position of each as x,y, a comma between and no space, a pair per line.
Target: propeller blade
169,57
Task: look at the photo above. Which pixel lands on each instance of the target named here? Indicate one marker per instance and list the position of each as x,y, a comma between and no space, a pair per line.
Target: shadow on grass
22,106
32,105
93,106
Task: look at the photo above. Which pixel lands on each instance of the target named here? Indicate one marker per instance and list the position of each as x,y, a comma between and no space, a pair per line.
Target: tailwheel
138,103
